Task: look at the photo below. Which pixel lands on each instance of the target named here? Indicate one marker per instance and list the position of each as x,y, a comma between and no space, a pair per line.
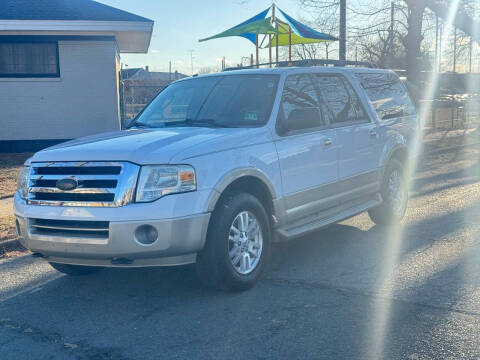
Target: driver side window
300,108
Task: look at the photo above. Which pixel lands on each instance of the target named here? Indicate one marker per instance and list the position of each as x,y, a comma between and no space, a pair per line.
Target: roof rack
305,63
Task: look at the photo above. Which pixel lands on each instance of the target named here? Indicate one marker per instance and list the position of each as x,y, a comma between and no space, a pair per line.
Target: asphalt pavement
350,291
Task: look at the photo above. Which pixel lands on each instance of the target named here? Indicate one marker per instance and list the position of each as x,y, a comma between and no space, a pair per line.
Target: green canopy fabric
262,26
284,39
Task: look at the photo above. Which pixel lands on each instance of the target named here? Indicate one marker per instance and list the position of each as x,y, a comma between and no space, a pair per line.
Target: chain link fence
135,95
451,112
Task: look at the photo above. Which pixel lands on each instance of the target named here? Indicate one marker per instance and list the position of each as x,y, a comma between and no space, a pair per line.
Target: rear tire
74,270
395,196
237,248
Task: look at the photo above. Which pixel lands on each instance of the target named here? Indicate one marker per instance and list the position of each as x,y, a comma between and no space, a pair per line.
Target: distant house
147,75
60,69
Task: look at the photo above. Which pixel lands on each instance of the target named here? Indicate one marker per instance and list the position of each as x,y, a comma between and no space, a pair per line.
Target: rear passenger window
300,108
387,94
343,103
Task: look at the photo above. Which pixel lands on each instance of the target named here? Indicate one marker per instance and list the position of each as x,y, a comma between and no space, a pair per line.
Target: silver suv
219,166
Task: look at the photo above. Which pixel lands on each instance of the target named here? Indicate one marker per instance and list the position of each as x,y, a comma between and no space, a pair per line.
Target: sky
180,23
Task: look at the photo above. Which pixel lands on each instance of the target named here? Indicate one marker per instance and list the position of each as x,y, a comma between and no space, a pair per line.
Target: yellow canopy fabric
284,39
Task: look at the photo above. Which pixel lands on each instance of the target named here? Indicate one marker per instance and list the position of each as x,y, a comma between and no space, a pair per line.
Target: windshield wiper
136,124
199,122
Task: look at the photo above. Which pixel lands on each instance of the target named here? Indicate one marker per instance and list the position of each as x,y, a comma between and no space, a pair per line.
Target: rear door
307,149
394,108
359,147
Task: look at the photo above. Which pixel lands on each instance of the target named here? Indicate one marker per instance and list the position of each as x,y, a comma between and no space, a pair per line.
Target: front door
307,149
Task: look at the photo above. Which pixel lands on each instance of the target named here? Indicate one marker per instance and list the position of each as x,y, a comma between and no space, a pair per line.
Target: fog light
146,234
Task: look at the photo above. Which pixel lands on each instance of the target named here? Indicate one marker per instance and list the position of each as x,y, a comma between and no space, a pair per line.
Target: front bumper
179,238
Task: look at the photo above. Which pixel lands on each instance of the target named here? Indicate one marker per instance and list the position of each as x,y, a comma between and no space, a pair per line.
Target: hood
145,146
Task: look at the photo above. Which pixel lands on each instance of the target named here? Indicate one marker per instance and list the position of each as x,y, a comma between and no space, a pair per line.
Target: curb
9,242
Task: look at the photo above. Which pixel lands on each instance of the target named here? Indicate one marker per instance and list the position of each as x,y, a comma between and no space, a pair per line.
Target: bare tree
386,33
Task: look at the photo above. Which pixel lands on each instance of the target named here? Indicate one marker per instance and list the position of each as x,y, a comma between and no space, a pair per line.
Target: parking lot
352,290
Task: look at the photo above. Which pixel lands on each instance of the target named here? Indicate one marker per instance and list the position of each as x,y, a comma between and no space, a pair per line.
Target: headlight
156,181
22,182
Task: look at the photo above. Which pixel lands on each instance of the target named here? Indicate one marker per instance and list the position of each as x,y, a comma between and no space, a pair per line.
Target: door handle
327,142
373,133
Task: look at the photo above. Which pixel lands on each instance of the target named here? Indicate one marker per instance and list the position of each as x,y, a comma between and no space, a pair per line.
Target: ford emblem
67,184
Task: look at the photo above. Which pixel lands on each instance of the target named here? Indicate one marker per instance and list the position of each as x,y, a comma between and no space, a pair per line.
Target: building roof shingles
63,10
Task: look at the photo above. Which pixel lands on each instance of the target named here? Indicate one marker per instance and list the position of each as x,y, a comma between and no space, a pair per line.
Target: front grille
96,183
69,228
82,170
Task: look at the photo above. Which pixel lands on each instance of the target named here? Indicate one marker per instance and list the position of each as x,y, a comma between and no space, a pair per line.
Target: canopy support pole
256,49
290,45
270,49
274,19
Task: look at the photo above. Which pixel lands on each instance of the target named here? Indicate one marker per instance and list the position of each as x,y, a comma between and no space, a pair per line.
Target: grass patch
7,227
10,165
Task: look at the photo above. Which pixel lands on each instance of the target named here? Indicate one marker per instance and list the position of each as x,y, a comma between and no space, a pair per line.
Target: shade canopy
260,24
289,32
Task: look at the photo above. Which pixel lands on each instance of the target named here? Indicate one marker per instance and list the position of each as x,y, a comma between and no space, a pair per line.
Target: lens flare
382,306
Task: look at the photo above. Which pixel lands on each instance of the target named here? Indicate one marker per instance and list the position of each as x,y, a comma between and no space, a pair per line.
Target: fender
397,146
233,175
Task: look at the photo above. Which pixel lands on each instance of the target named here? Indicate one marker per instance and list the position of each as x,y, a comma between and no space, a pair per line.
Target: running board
303,229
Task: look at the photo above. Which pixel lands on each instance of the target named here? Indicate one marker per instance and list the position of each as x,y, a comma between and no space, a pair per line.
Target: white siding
83,101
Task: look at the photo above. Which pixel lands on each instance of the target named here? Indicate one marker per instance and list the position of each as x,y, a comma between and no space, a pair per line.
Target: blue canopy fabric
305,31
259,16
252,36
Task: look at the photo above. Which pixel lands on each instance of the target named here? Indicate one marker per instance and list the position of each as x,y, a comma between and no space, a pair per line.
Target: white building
60,68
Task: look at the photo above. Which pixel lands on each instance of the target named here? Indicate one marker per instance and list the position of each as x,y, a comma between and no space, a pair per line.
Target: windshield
216,101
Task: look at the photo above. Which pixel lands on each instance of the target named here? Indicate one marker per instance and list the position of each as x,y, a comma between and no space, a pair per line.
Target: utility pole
170,71
391,34
440,49
436,43
343,30
191,60
470,48
455,49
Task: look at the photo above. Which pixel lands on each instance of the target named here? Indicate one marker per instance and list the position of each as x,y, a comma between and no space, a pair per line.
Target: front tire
238,244
395,196
74,270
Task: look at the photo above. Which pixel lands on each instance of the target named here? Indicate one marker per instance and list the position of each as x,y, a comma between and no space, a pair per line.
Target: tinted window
300,107
228,101
28,59
387,95
343,103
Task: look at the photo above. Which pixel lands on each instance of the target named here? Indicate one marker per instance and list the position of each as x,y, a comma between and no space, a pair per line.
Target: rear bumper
178,242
